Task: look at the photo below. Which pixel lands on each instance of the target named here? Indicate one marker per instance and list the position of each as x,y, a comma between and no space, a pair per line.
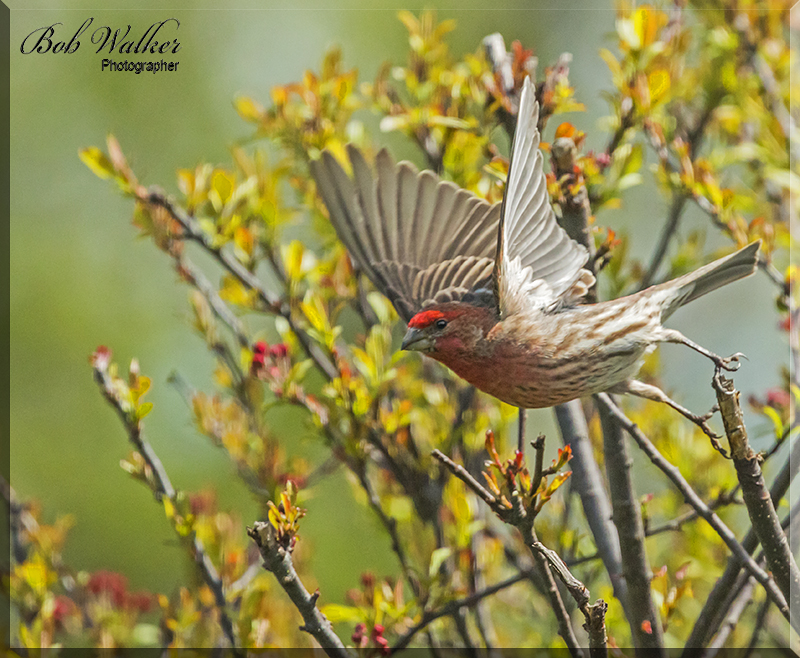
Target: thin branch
163,488
556,602
625,123
270,302
483,618
278,560
742,599
594,614
722,500
628,519
463,474
754,491
670,227
388,522
587,482
758,626
196,278
453,606
693,499
711,616
517,516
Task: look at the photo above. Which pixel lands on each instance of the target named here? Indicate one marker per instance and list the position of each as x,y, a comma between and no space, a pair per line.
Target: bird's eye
441,324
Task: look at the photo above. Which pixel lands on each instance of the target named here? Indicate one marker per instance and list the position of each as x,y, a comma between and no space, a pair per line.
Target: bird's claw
730,363
703,425
701,422
707,416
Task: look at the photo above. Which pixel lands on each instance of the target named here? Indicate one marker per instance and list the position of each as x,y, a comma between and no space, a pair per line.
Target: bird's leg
650,392
730,363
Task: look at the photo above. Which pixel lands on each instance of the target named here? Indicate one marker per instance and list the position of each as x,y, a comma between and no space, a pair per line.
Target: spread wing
419,239
538,264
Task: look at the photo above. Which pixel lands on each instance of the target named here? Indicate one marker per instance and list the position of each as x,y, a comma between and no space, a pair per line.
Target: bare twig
693,499
628,519
754,491
518,517
670,227
713,612
564,623
270,302
594,614
462,474
587,482
453,606
575,587
740,603
278,560
163,488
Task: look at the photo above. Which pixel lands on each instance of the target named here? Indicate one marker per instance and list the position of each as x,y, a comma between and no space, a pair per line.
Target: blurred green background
80,277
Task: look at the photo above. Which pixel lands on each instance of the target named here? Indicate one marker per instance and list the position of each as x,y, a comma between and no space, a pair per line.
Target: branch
587,482
762,513
595,614
278,560
163,487
742,599
454,606
628,519
694,500
517,517
270,302
388,522
463,474
670,227
714,609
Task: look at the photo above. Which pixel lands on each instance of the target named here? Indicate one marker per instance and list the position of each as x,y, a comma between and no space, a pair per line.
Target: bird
497,292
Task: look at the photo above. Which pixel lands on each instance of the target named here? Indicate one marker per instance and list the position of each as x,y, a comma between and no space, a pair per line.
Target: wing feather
538,264
419,239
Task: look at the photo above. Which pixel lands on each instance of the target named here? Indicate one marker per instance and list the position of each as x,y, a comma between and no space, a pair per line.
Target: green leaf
144,409
337,613
437,560
97,161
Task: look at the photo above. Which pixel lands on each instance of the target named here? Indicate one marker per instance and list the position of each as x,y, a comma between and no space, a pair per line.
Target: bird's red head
428,317
446,329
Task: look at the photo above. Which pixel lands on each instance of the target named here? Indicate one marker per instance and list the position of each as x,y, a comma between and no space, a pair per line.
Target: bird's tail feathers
723,271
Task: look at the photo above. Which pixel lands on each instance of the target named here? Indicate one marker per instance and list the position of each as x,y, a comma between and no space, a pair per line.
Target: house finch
495,292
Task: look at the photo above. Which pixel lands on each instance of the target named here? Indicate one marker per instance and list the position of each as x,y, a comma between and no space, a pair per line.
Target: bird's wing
419,239
538,264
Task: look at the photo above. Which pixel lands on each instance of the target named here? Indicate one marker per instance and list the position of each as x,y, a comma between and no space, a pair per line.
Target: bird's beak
416,340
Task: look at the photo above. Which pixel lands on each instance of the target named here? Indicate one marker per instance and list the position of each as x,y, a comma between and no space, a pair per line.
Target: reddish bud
367,580
202,503
358,635
63,608
518,457
278,351
647,627
778,397
110,583
100,358
377,630
603,159
140,601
